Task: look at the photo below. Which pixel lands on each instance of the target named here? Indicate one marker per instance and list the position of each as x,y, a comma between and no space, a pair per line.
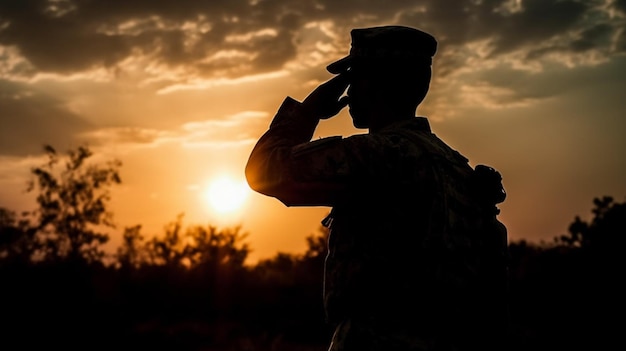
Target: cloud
13,168
232,131
532,25
29,119
516,41
200,83
82,36
201,44
128,136
87,34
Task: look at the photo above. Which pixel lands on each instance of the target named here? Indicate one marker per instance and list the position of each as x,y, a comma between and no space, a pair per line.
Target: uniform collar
416,124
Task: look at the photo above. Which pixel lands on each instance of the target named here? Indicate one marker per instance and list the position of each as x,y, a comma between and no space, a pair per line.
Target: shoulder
316,145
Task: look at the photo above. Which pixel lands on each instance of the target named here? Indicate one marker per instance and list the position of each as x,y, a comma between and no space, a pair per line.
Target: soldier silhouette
417,257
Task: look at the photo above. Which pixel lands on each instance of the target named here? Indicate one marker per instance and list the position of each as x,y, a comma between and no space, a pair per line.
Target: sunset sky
180,91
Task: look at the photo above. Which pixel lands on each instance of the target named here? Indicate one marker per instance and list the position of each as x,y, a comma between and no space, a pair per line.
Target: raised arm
284,163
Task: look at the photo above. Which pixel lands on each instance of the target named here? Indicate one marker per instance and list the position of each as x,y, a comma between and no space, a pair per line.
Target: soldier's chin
357,120
360,124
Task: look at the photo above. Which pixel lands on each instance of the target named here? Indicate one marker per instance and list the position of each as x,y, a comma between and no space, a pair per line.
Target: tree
72,205
317,244
587,274
168,250
208,245
605,232
131,254
16,239
198,246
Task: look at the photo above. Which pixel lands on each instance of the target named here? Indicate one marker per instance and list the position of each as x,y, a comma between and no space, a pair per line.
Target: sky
180,91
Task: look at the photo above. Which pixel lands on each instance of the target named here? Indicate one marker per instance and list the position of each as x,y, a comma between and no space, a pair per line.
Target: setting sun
226,195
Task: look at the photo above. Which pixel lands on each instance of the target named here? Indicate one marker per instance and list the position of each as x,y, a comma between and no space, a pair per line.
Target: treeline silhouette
189,287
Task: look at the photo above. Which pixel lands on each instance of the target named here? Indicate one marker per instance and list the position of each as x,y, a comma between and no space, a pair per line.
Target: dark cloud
523,33
531,25
620,5
102,33
593,37
350,11
621,43
597,37
28,120
58,44
65,36
453,22
540,20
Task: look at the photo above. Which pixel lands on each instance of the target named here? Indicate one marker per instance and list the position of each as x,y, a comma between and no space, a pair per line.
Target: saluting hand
325,101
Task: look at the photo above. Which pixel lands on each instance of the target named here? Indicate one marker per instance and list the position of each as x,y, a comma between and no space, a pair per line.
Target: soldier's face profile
357,106
361,94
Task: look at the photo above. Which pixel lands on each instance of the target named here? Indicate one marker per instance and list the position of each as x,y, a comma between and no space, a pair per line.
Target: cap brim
340,65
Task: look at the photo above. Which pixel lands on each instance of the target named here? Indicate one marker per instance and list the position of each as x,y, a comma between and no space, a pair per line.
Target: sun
226,195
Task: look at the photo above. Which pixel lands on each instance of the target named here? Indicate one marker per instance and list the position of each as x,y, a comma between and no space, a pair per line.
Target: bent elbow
259,178
253,177
263,182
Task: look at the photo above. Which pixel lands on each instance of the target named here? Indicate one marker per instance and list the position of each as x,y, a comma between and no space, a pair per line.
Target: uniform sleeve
285,164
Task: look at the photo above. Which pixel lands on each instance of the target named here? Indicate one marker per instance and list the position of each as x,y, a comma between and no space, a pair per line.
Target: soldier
417,258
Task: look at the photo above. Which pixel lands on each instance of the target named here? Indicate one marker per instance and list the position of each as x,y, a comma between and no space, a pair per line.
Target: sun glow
226,195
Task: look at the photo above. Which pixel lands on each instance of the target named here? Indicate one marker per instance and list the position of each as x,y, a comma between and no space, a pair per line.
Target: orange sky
180,91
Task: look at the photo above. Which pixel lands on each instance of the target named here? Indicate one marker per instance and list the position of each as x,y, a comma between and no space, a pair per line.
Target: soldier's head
388,67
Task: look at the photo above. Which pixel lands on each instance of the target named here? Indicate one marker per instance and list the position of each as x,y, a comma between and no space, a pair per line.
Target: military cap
387,44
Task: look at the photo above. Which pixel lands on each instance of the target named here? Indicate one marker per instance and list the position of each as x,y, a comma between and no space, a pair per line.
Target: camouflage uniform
416,255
